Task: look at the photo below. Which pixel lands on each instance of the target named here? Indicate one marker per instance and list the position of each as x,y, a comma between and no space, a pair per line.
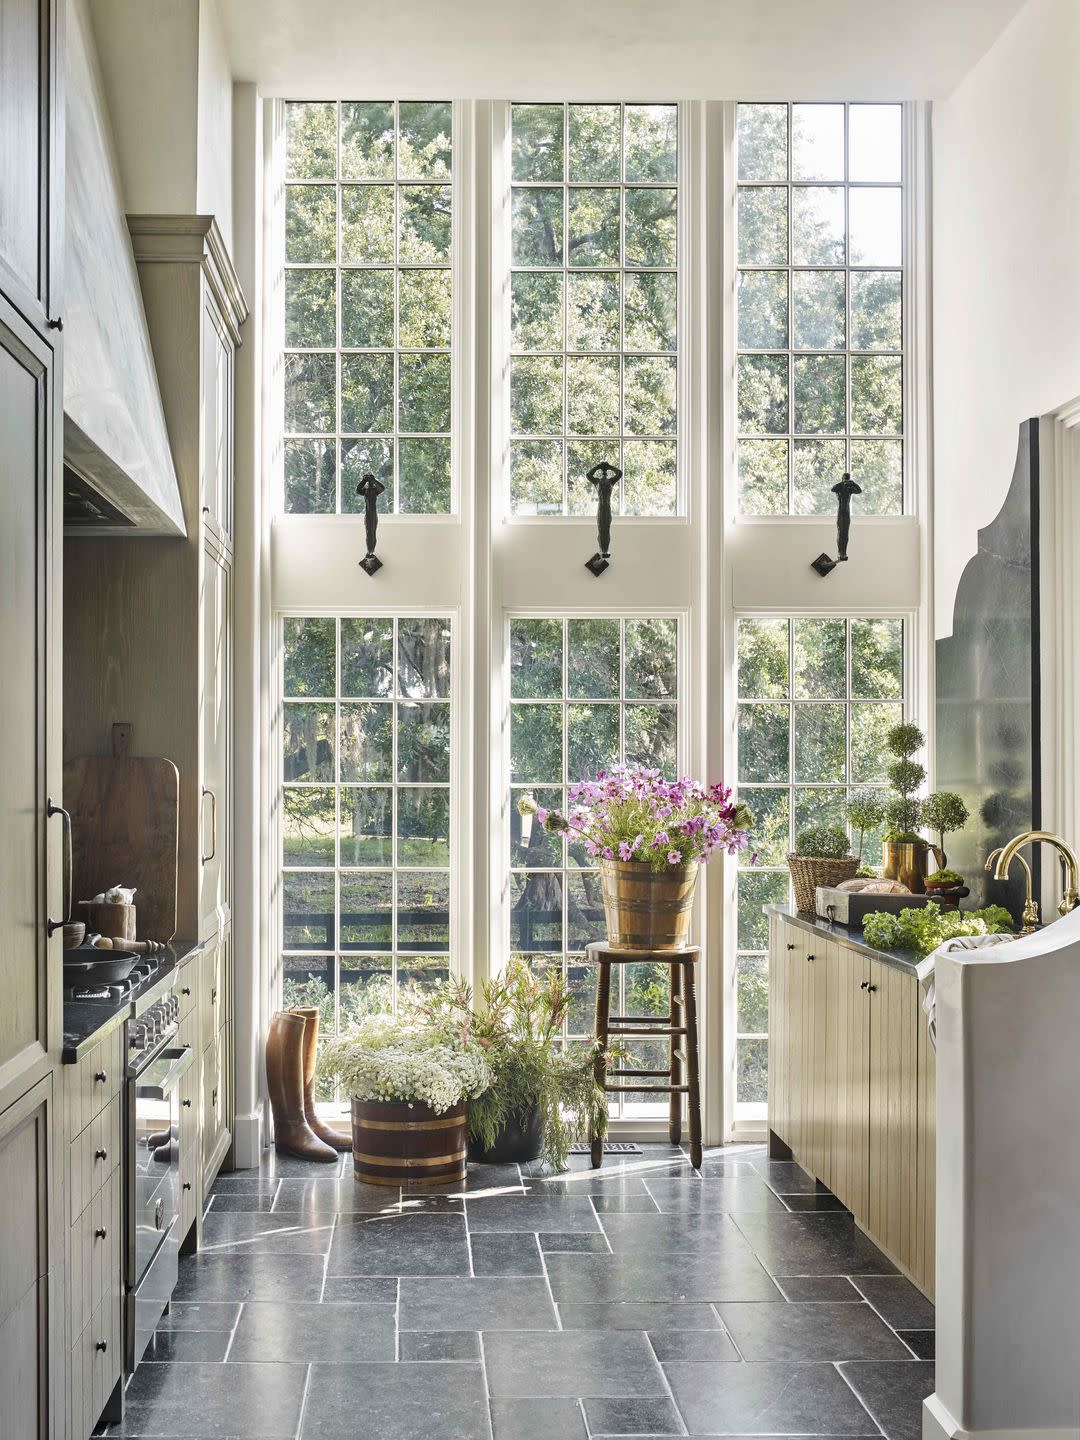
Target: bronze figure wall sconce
605,477
370,489
843,490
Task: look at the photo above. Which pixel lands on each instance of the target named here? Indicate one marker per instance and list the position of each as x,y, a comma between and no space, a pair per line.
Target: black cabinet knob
791,947
186,1104
56,324
185,990
187,1184
100,1077
864,984
870,987
99,1234
101,1154
102,1345
811,957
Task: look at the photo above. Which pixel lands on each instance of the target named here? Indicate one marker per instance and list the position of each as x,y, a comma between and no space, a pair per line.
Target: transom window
594,245
820,298
584,693
816,700
368,230
365,810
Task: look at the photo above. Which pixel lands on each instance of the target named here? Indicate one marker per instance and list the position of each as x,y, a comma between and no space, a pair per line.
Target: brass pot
647,909
906,861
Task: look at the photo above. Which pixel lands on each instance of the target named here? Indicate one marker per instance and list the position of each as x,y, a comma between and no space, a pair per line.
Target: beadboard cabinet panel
851,1087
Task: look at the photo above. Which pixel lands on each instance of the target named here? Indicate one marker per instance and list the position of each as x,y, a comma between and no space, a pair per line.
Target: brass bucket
647,909
907,861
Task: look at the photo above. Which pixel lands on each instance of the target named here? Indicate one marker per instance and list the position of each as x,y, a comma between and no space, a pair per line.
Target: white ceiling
617,49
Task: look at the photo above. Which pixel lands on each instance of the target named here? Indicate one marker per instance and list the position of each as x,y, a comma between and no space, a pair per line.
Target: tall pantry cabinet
31,840
165,608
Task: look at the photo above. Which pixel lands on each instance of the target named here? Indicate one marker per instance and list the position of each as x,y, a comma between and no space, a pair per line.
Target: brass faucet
1031,905
1070,897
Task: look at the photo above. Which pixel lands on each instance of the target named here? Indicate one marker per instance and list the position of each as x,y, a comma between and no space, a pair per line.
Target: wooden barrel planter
647,909
399,1144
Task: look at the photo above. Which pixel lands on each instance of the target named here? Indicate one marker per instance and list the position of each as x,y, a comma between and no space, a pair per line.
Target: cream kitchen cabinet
851,1084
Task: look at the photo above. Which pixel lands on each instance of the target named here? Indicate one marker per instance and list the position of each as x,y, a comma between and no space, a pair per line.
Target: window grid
306,965
322,467
652,448
872,453
570,957
768,882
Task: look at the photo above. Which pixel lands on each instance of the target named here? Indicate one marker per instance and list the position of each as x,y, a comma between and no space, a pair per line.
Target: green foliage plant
865,810
406,1060
943,811
944,878
923,928
825,842
518,1027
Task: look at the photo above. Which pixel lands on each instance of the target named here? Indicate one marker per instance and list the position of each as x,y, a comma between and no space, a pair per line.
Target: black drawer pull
791,947
186,1104
185,990
187,1184
213,1097
864,984
101,1154
811,957
213,996
870,987
102,1345
99,1234
100,1077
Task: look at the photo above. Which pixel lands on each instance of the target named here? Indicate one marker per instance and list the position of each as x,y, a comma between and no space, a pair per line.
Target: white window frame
480,565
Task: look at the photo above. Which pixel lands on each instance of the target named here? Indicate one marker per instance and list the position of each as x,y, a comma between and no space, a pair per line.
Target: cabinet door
849,1005
779,1028
216,704
816,1024
31,149
29,1014
893,1200
29,1191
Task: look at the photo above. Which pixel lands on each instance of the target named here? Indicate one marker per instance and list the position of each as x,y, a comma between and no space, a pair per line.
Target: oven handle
181,1058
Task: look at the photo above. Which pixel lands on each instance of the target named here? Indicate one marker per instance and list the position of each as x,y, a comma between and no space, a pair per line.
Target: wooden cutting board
124,818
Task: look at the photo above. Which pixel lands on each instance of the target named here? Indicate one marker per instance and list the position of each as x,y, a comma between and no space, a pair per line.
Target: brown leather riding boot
326,1133
285,1083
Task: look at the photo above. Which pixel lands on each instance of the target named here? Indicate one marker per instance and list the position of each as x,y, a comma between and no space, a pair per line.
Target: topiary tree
943,811
865,810
903,809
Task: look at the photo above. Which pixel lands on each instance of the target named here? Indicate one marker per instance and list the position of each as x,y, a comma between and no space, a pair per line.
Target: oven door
153,1193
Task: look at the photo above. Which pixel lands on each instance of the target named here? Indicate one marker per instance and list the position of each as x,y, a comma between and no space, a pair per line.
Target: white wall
214,184
168,84
1006,269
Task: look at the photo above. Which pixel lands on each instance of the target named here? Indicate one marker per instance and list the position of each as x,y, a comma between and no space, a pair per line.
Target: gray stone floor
641,1299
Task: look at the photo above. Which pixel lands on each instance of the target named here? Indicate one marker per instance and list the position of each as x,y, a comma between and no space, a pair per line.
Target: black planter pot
515,1143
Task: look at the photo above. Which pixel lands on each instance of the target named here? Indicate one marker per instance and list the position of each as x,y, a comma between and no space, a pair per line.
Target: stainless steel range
152,1179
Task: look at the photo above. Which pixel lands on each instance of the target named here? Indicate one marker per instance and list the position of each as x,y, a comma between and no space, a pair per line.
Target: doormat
611,1147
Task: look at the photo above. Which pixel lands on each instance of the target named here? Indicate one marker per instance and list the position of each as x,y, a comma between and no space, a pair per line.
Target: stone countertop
88,1021
905,960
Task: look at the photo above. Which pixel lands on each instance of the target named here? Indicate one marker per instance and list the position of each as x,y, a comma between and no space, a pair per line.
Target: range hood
118,465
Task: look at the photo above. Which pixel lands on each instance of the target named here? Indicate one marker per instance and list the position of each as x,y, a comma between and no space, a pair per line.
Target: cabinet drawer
92,1082
186,988
95,1366
92,1156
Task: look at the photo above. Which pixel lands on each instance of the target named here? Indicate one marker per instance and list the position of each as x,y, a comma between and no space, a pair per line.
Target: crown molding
191,240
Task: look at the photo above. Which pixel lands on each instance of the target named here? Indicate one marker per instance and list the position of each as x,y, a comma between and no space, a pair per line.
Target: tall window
816,700
820,298
584,693
365,810
593,373
367,305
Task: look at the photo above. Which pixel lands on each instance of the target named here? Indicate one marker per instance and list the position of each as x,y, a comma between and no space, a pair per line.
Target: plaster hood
116,444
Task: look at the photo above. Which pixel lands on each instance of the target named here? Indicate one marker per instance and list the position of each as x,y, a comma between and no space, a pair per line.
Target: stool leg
603,1010
674,1063
689,991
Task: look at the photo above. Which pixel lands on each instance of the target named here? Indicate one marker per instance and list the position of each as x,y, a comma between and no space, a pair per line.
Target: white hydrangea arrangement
382,1057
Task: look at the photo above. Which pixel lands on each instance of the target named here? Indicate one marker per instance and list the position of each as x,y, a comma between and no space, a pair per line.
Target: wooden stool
682,1072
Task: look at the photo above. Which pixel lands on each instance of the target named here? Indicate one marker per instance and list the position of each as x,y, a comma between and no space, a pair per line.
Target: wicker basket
810,871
